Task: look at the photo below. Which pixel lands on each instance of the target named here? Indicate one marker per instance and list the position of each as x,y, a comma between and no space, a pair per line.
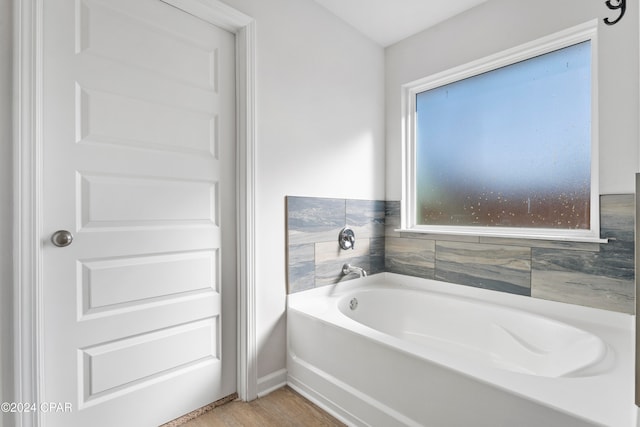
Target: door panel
139,165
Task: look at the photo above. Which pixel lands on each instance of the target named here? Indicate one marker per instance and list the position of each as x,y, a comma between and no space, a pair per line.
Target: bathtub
390,350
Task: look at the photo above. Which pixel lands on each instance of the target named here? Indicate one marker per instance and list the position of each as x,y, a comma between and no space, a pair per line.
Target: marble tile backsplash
590,274
603,278
314,257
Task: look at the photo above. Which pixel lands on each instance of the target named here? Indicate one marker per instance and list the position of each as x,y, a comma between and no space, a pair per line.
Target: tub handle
347,238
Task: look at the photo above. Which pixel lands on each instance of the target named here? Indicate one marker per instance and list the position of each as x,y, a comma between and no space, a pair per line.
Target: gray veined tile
330,272
501,268
301,267
330,259
301,277
588,274
366,217
328,251
377,255
413,257
584,289
617,213
392,218
300,253
616,259
603,279
312,219
537,243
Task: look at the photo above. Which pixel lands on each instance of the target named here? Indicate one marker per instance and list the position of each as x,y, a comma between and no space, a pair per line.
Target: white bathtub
425,353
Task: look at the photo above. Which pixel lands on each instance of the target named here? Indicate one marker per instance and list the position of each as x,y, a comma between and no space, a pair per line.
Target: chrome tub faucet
348,268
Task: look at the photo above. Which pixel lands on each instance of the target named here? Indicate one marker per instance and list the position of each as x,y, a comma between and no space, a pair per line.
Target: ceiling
389,21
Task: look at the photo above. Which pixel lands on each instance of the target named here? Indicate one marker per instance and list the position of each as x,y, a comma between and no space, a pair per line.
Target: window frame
562,39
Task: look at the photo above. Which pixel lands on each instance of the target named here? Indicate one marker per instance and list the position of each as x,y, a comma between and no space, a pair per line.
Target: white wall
501,24
5,205
320,132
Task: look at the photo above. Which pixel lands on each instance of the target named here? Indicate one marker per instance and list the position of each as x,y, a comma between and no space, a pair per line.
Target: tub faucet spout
348,268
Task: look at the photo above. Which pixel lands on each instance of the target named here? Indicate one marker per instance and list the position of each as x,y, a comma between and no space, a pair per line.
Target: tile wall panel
312,219
314,257
591,274
496,267
376,255
602,279
301,267
330,258
411,257
366,217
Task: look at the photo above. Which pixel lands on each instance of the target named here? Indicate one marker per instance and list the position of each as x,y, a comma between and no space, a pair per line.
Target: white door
139,312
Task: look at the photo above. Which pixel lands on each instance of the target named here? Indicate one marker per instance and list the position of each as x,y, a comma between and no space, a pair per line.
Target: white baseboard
271,382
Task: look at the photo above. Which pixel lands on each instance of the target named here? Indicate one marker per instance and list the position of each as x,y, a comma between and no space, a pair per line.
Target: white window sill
505,234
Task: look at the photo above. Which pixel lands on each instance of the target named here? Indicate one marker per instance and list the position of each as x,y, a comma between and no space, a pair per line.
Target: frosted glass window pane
510,147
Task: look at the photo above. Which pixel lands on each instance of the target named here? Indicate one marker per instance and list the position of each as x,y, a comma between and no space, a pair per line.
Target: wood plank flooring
281,408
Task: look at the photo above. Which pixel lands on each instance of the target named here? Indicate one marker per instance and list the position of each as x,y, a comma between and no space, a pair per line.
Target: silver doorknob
62,238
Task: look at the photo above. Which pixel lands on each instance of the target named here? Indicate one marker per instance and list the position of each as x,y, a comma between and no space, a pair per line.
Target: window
507,146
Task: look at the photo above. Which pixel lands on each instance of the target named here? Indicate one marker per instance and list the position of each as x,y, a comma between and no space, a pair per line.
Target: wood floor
283,407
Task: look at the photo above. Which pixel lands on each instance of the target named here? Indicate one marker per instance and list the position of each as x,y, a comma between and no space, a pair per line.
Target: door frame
28,194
